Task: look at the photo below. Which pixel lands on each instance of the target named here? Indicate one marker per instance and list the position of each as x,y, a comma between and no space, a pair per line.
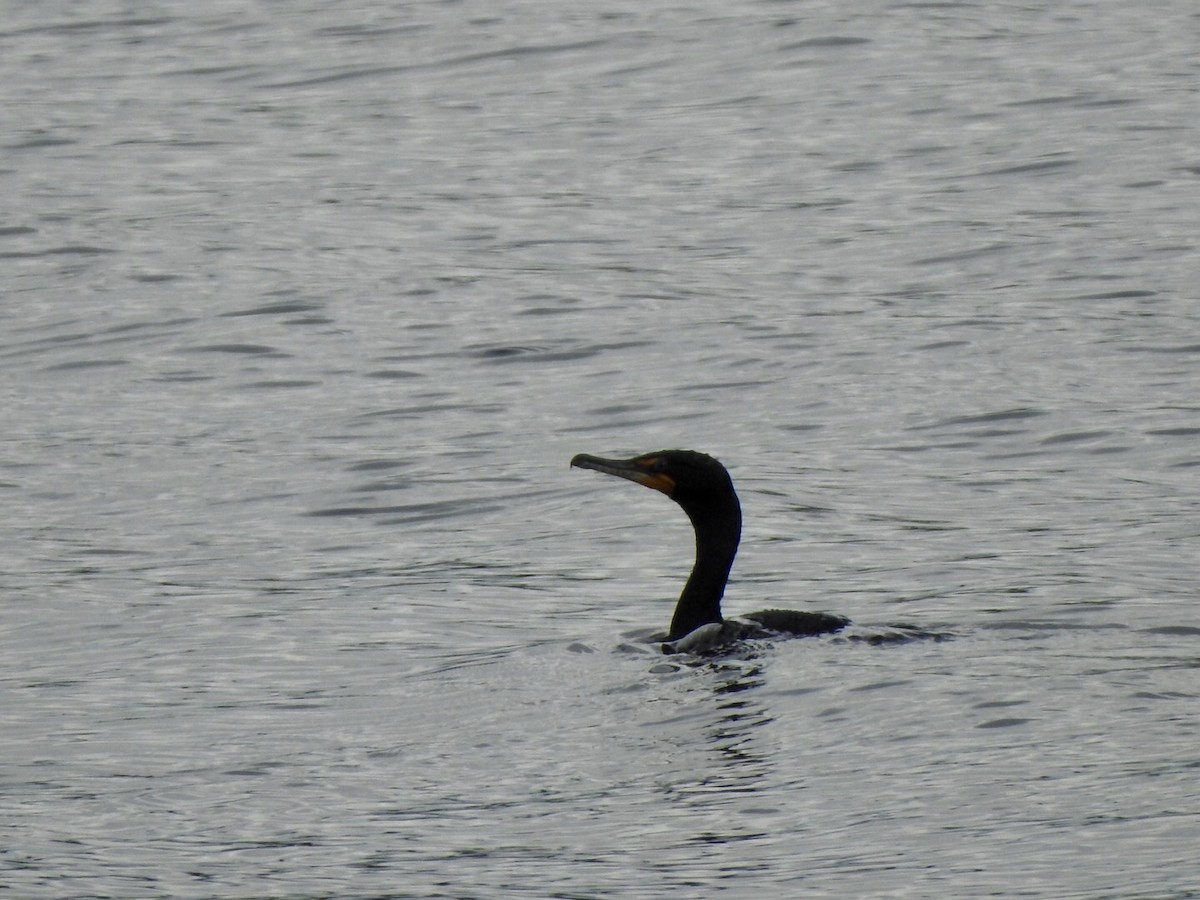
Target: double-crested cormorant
702,486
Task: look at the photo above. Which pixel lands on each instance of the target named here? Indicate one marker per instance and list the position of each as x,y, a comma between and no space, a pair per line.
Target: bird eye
658,464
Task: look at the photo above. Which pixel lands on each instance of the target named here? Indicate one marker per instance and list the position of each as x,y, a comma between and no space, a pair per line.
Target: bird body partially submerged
703,488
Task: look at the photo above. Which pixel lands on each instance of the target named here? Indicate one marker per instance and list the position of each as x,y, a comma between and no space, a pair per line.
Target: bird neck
718,530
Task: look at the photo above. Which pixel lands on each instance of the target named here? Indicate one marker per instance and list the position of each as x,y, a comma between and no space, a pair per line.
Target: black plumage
703,488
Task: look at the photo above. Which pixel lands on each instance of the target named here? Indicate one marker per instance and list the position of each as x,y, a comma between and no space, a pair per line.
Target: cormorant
702,486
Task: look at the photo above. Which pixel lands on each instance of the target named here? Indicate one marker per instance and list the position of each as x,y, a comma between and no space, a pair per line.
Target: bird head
694,480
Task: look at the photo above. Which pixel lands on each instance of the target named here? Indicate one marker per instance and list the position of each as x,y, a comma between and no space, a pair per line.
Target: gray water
306,306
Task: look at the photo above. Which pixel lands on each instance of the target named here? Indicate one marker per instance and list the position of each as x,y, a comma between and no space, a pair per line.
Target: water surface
306,308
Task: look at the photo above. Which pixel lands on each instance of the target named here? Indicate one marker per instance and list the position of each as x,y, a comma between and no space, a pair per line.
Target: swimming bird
702,486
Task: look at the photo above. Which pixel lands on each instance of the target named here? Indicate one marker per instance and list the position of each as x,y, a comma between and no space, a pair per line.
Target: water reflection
740,715
735,715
